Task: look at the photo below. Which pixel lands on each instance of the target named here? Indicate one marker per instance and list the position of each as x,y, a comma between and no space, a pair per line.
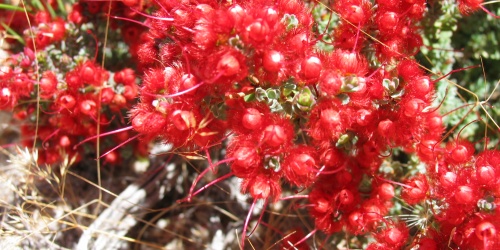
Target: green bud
352,83
347,141
305,98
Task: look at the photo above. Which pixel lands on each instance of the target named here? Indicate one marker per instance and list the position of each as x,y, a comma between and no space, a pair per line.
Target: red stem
305,238
394,182
168,19
119,145
50,136
305,196
103,134
131,20
489,12
188,199
198,178
260,218
243,235
456,70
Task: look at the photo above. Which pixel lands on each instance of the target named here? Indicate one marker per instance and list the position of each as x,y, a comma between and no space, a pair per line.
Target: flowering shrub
324,99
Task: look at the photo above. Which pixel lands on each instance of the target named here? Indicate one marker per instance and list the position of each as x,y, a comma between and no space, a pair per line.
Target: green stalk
13,33
10,7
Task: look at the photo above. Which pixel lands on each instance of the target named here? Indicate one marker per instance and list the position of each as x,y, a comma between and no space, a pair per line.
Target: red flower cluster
45,31
297,115
246,60
73,98
465,187
293,116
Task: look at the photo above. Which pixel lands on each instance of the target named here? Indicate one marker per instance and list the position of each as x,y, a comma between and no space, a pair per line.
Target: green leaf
351,83
37,4
390,85
398,94
275,106
51,11
289,89
61,7
272,93
260,94
250,97
347,141
344,98
290,21
236,42
305,98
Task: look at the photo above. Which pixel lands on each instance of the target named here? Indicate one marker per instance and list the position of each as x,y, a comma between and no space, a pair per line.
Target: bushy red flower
358,12
415,190
459,152
262,186
300,166
466,7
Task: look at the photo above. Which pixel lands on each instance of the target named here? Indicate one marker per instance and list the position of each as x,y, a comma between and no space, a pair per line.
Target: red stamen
188,199
119,145
260,218
103,134
305,238
305,196
202,174
131,20
168,19
245,225
394,182
48,138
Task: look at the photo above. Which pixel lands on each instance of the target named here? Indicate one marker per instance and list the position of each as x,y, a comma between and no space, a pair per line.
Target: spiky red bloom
358,12
301,165
394,236
247,118
349,63
347,37
466,7
264,185
247,159
416,191
387,22
488,169
48,84
149,123
330,83
295,235
428,149
459,152
409,70
327,121
277,135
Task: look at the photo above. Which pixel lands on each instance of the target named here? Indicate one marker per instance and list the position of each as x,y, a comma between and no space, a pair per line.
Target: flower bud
272,61
311,67
228,65
393,236
464,195
346,197
252,119
305,99
258,30
274,135
183,120
448,179
485,230
386,191
485,174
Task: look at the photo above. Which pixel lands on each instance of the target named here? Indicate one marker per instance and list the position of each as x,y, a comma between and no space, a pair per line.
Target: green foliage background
454,42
